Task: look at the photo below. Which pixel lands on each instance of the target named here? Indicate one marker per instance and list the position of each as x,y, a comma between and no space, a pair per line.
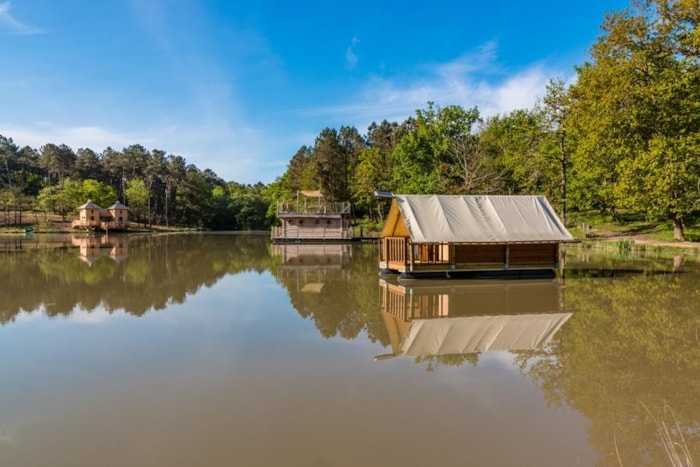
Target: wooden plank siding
480,254
533,253
310,228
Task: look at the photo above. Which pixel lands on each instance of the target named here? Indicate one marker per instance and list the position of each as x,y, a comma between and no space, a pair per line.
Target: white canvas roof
480,219
479,334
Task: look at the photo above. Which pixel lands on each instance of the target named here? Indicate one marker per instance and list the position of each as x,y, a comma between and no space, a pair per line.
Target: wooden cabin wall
309,228
533,253
480,254
518,254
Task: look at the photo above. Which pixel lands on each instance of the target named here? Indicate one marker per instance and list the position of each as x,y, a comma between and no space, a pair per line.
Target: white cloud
94,137
474,79
350,56
13,24
89,317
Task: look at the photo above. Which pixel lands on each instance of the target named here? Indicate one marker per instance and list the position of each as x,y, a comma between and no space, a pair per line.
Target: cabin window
317,221
301,222
92,218
328,222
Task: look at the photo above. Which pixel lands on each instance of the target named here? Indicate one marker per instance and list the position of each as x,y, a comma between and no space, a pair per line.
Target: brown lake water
225,350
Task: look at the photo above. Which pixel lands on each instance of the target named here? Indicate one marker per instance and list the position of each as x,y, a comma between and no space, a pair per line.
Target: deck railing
393,249
279,233
310,207
431,253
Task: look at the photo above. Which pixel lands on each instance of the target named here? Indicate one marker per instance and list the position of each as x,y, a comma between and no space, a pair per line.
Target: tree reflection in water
335,286
630,352
132,273
627,350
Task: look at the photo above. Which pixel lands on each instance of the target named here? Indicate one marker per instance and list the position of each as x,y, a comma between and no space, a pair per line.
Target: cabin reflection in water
94,247
306,267
312,255
470,317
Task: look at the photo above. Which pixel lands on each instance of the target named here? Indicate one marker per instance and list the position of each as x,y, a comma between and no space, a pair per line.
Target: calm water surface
224,350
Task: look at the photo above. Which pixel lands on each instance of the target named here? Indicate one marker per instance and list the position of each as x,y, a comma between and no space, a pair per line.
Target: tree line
159,188
624,137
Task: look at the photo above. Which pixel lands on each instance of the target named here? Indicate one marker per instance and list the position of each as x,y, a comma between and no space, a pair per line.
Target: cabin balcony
313,208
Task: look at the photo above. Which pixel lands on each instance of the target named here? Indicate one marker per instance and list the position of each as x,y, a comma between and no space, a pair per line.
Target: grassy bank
593,226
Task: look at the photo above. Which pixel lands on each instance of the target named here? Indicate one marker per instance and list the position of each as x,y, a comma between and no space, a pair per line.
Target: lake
225,350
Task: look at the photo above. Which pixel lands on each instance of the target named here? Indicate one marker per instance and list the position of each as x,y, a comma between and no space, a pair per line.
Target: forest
621,139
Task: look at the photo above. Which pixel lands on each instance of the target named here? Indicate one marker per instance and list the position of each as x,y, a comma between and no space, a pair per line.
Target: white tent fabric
480,219
473,334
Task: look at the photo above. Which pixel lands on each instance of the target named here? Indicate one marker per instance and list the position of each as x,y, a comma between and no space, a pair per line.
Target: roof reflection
447,317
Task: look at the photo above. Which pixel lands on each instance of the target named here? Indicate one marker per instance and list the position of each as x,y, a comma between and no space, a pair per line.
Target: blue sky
239,86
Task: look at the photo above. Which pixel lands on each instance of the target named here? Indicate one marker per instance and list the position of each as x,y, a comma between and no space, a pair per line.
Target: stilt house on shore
471,236
93,217
312,219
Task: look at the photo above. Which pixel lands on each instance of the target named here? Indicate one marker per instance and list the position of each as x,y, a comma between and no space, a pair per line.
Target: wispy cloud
473,79
94,137
15,26
350,56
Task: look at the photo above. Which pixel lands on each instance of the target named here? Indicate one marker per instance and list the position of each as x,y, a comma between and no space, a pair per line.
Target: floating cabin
471,236
469,318
93,217
313,219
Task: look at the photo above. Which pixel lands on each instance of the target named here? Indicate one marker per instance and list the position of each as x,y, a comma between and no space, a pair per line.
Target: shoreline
636,240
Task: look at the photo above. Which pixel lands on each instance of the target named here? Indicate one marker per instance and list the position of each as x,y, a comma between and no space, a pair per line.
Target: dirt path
641,239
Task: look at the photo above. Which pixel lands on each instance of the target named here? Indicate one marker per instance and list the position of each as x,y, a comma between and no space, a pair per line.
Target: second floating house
471,236
313,219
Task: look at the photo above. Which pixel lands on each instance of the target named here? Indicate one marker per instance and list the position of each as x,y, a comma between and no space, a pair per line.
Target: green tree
301,171
137,197
100,193
555,111
173,176
87,165
423,159
28,174
512,143
57,161
8,160
375,167
155,176
250,211
636,111
62,198
335,155
193,198
472,171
